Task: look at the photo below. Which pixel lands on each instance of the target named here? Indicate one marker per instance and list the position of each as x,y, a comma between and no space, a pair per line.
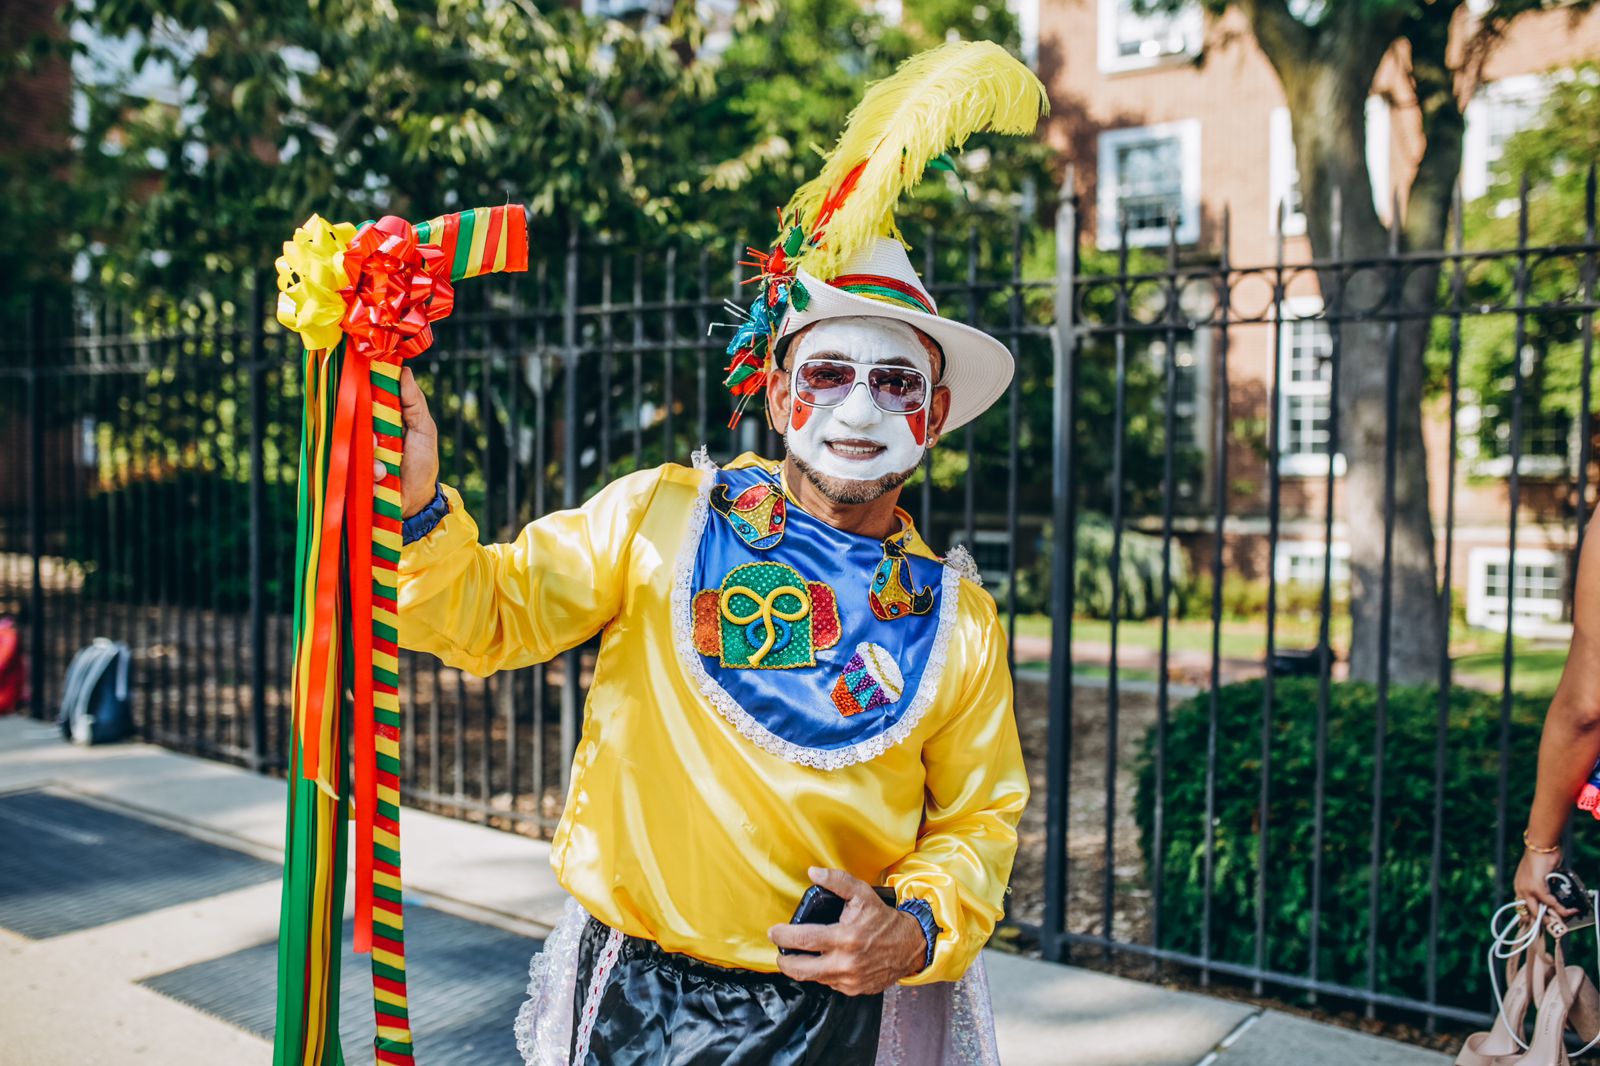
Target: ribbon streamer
362,300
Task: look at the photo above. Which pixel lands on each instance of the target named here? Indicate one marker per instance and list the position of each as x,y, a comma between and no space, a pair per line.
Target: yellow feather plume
934,102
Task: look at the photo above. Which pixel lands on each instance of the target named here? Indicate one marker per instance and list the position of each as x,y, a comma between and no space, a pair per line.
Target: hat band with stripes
889,290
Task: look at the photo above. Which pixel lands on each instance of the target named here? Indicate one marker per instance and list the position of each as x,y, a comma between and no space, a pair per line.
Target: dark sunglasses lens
824,384
897,389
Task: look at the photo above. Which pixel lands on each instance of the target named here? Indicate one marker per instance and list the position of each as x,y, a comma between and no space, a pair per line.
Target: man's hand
872,946
419,459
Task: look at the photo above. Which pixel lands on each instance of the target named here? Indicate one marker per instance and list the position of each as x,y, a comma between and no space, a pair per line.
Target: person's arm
488,607
493,607
977,787
1571,737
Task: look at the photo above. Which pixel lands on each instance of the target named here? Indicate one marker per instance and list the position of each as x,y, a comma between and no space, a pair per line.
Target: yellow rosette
310,275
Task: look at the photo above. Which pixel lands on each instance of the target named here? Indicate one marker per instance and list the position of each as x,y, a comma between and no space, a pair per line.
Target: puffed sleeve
488,607
976,788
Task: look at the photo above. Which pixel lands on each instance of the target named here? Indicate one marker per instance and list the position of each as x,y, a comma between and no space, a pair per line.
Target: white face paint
855,441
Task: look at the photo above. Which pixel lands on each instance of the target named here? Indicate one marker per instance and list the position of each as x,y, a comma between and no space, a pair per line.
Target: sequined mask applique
894,594
766,616
758,515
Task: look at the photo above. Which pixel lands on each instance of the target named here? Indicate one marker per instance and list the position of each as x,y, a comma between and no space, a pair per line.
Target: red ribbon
397,287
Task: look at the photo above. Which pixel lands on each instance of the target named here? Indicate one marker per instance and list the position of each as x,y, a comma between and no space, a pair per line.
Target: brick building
1184,113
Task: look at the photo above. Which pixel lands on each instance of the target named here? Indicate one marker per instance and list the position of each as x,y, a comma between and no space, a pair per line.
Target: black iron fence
1232,779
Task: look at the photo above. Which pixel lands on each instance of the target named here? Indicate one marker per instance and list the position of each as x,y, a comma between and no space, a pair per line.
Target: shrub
1467,868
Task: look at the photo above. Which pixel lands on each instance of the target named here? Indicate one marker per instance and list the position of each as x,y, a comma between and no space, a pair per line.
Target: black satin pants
659,1008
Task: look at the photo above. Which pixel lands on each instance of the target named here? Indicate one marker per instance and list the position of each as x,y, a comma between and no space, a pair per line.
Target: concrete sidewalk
76,998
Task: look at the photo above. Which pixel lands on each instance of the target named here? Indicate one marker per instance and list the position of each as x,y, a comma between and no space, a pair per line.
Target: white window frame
1534,617
1187,133
1314,550
1027,12
1477,159
1188,23
1295,464
1281,174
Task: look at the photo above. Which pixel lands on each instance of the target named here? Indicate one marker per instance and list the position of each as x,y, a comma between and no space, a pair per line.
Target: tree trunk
1327,101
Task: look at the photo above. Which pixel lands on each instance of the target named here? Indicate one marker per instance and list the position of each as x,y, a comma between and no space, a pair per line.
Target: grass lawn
1536,664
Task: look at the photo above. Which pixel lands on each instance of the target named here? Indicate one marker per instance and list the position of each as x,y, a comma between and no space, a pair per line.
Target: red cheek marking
919,426
800,414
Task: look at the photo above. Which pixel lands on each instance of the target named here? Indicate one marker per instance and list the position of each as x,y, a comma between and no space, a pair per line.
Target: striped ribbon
351,418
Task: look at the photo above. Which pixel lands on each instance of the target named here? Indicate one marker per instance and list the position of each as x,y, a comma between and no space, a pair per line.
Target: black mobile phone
821,907
1569,891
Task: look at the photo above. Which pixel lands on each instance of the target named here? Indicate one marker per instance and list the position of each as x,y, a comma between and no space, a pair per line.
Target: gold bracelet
1538,850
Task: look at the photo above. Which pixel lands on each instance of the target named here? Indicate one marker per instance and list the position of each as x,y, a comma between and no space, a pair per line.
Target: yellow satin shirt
677,828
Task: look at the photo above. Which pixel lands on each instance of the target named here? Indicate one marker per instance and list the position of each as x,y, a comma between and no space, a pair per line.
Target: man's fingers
413,404
840,883
805,937
805,967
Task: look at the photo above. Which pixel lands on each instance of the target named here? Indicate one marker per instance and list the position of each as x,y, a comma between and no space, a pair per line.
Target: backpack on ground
13,668
94,700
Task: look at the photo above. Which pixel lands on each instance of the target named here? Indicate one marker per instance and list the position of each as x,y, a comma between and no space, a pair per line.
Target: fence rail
1196,805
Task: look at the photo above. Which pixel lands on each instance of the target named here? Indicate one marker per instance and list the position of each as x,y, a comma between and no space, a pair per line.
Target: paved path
85,997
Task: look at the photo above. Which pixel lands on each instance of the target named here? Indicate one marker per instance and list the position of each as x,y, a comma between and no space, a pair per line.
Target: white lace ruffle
544,1021
961,560
737,716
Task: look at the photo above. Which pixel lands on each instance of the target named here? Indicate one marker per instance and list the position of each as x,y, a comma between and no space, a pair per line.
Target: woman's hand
1530,886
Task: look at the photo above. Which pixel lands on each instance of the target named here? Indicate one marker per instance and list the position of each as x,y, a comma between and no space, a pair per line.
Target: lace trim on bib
737,716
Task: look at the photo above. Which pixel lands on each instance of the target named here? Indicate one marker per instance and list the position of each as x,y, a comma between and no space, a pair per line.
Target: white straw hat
878,282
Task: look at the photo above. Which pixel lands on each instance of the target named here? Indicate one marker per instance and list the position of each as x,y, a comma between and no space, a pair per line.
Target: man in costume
791,687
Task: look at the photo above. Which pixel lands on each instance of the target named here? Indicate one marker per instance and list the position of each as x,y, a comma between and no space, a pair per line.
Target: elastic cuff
421,524
923,913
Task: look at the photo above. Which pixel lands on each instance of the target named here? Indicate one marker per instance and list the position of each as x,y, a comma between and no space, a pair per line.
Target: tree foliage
1554,156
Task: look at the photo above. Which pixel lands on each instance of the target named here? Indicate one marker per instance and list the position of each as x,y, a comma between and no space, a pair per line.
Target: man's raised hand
419,457
872,946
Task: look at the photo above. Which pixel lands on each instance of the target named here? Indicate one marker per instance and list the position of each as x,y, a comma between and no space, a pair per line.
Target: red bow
397,286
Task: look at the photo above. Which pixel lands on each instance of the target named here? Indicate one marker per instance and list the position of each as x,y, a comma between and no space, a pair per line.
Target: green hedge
1467,882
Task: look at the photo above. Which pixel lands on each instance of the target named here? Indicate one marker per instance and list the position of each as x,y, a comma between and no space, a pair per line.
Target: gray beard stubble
845,490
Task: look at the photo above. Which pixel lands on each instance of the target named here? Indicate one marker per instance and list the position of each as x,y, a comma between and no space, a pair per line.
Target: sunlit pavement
173,909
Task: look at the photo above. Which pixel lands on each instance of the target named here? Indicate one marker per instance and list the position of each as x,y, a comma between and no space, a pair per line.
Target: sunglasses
897,390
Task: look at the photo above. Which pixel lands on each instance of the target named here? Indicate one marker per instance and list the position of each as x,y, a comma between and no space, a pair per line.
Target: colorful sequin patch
767,617
893,593
759,514
707,623
871,679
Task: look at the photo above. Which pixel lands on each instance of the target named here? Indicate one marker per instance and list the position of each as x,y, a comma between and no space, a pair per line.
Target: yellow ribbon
766,610
310,275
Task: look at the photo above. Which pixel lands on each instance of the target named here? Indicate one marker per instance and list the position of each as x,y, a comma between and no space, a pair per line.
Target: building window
1305,388
1283,176
1132,41
1537,597
1146,175
1300,562
1497,112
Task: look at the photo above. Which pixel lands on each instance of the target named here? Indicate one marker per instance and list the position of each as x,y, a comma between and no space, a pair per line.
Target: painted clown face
856,452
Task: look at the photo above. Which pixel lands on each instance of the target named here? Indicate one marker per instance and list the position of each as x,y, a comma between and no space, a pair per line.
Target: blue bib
821,646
